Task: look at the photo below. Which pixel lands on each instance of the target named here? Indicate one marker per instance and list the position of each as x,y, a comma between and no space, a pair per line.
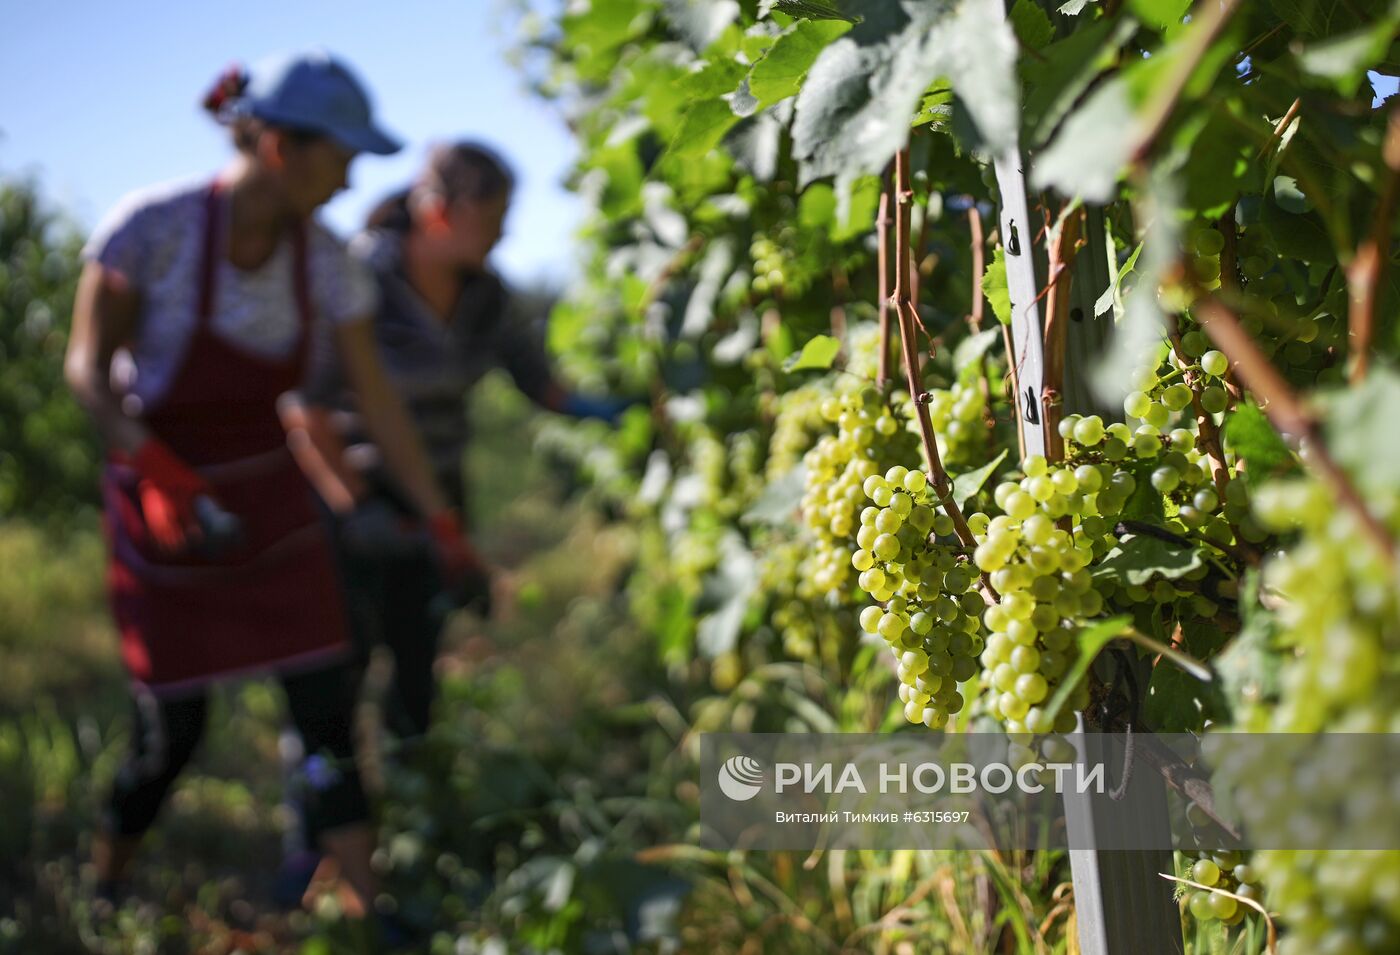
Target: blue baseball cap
313,91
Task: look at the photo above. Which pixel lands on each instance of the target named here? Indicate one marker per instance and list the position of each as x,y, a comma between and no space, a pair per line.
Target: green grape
1214,399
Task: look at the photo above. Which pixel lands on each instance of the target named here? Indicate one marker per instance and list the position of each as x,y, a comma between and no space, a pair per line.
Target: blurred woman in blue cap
445,319
196,311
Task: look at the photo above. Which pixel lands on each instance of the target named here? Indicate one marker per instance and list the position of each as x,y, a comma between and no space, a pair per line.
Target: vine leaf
728,591
852,112
973,347
1032,25
811,9
966,485
1110,295
778,74
995,288
778,503
700,22
702,127
1344,59
1092,639
1139,559
1360,430
1252,438
819,352
1159,14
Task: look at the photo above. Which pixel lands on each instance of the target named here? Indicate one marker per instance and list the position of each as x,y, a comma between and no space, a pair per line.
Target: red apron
273,602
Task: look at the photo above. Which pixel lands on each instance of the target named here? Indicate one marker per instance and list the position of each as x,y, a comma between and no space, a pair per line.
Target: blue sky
100,98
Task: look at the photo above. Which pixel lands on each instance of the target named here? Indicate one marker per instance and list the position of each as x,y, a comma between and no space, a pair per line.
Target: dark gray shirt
434,364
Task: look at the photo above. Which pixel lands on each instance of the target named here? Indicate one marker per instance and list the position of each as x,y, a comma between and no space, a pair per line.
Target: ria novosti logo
741,778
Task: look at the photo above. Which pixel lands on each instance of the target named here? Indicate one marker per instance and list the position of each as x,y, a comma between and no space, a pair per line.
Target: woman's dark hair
464,170
246,129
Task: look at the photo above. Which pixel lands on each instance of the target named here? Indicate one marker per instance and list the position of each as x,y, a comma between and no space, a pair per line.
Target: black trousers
391,604
167,732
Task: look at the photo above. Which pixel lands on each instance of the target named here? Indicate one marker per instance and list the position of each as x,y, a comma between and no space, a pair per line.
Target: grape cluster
773,272
1225,870
867,437
1041,572
1338,622
931,608
958,414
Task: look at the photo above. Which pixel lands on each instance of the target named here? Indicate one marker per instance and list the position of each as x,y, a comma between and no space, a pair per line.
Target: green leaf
777,505
1179,703
1145,504
856,205
810,9
1139,559
966,485
1297,236
816,208
1032,25
1085,159
1092,639
1249,434
1159,14
1248,667
728,590
853,111
994,287
819,352
702,127
1360,430
779,73
1110,294
1345,59
1289,197
1057,80
700,22
973,347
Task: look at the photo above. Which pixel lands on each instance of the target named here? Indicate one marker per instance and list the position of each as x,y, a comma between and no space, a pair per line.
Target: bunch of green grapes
931,609
1203,255
1227,870
812,628
773,271
1041,572
1303,337
959,417
1179,472
1337,622
867,439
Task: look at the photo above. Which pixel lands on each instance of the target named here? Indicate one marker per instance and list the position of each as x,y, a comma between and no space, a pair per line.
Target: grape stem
1205,424
882,233
904,308
1064,247
1288,415
1367,268
1280,128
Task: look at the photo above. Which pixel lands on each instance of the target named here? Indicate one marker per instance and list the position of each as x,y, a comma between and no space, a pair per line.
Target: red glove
453,552
168,489
465,575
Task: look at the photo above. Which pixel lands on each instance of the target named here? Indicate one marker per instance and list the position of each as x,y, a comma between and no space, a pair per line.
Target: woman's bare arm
104,318
386,419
